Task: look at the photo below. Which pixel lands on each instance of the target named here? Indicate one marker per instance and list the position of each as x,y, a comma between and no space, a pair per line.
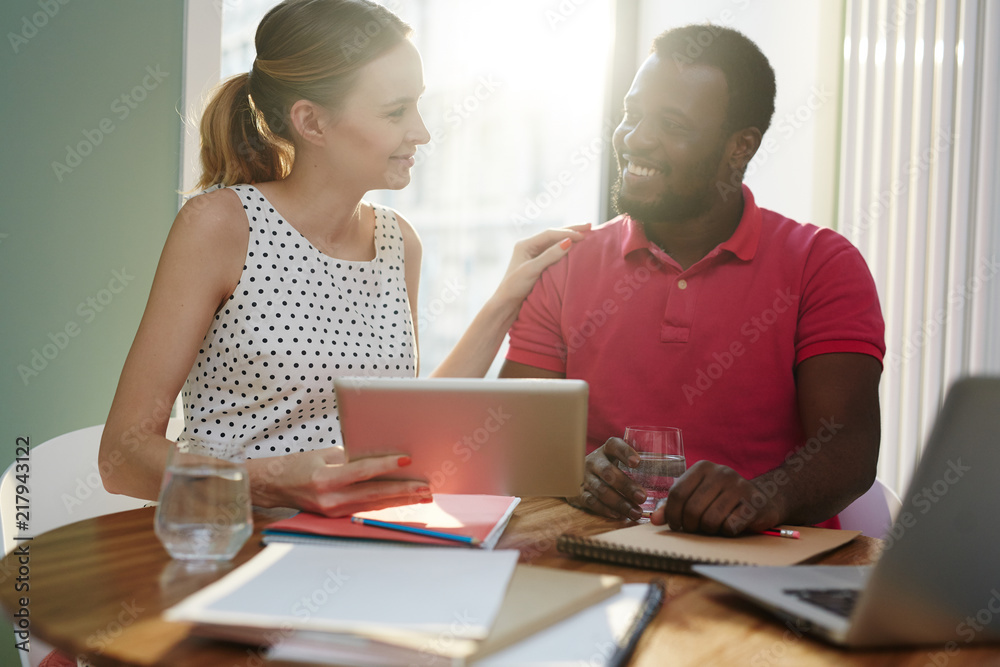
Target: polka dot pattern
262,383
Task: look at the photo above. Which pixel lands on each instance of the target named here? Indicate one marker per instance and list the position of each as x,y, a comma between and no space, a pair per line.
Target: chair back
872,513
64,484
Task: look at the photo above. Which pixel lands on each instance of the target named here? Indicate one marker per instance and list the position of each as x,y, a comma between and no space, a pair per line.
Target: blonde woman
283,278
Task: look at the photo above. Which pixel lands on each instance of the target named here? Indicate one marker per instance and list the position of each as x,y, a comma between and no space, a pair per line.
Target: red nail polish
404,461
565,243
423,490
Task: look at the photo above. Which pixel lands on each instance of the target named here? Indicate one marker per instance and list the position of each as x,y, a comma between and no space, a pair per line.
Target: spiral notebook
658,548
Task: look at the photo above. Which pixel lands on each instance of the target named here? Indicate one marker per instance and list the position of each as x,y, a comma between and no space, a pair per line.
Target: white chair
64,484
872,513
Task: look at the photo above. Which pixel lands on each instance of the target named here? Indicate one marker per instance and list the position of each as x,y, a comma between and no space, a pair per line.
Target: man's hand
606,490
714,499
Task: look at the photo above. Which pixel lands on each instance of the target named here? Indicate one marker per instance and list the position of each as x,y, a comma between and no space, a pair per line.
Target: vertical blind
919,178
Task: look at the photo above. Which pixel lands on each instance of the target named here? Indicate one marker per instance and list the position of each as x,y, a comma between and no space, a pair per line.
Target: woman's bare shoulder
218,215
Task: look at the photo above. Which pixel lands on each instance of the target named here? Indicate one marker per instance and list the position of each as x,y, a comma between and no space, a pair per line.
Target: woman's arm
475,351
200,266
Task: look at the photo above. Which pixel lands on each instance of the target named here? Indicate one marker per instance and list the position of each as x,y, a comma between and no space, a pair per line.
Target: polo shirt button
682,283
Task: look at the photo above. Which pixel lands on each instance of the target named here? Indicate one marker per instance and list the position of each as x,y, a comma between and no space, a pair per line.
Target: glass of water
204,507
661,460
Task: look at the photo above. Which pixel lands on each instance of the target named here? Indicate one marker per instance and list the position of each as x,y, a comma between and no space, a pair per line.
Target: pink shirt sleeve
839,309
536,337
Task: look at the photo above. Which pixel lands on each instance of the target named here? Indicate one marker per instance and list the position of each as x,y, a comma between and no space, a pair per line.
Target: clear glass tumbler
661,460
204,511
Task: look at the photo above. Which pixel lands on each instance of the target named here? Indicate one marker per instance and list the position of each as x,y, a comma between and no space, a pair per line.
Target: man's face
671,142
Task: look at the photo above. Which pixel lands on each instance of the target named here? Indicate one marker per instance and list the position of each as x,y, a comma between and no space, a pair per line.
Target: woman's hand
320,482
532,255
477,348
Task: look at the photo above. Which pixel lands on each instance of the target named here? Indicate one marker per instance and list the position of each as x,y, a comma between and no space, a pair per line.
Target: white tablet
502,437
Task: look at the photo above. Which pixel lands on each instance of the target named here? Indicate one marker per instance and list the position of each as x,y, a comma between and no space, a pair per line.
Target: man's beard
669,207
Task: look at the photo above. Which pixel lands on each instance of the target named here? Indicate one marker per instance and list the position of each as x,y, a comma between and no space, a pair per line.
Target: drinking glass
204,507
661,460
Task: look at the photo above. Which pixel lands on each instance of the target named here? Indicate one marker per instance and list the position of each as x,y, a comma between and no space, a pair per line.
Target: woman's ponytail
236,146
306,49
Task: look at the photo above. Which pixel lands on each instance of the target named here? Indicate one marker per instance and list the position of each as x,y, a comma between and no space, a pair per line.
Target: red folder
479,516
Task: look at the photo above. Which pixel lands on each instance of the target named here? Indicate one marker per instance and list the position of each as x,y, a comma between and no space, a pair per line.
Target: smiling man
760,337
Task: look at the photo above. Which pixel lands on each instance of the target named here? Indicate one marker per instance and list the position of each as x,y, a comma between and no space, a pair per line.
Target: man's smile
640,170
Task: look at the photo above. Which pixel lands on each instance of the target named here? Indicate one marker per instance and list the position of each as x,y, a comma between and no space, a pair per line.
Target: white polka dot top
262,383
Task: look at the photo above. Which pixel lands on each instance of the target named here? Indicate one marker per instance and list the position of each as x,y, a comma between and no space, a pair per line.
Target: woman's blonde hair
306,49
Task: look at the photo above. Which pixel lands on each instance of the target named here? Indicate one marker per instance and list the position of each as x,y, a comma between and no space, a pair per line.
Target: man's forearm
838,458
820,478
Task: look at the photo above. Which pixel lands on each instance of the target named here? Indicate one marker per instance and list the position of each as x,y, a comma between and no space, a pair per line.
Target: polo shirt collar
743,243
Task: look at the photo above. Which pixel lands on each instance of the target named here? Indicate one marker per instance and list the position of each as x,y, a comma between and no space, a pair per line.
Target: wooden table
98,588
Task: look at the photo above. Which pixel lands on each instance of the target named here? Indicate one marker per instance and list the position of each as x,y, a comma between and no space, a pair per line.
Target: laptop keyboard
840,601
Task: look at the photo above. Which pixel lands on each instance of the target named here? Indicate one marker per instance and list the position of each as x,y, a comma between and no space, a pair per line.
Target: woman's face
373,138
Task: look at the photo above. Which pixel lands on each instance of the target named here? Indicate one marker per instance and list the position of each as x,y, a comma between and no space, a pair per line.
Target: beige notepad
657,547
538,597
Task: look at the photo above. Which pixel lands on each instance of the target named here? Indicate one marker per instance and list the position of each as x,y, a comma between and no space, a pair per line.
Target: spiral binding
583,547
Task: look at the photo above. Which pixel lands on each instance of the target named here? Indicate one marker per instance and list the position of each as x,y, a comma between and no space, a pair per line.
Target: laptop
938,579
498,436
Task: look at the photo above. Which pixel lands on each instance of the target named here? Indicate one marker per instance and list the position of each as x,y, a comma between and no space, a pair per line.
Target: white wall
795,170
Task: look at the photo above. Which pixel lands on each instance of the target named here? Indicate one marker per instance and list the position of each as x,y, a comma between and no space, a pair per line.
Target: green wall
79,240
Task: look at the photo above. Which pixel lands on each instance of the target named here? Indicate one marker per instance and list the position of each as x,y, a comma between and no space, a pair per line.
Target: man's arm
839,408
512,369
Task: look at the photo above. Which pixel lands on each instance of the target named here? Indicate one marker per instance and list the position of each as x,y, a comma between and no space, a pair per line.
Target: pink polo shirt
711,350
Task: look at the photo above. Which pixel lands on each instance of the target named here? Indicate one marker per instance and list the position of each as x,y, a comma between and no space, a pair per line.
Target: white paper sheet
431,591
